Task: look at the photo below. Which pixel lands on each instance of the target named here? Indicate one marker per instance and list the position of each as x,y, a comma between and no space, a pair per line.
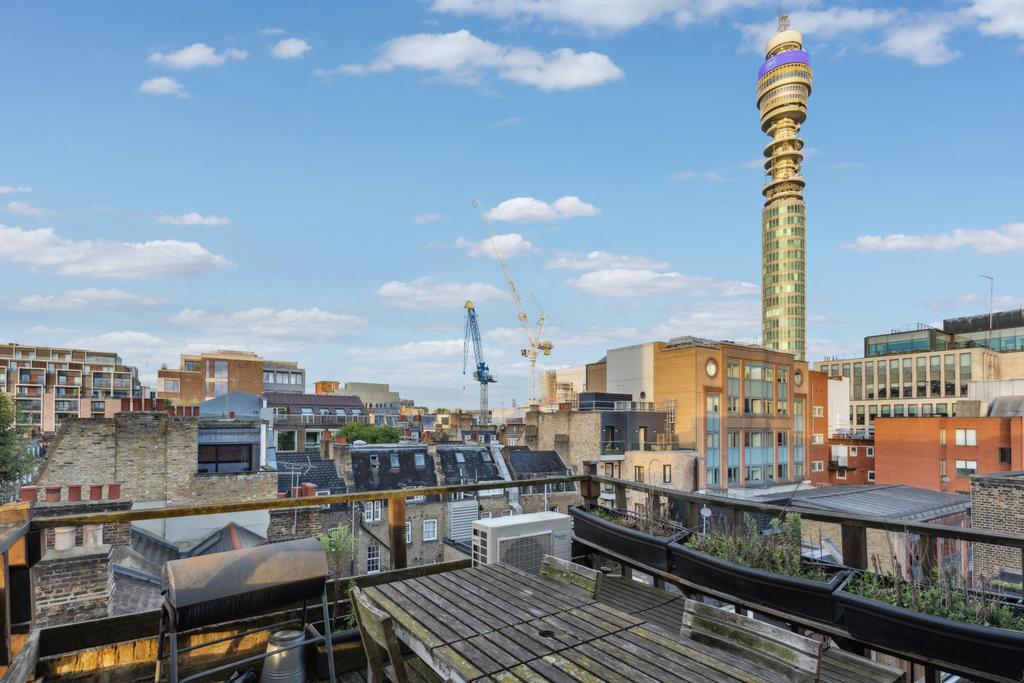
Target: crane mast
482,373
535,343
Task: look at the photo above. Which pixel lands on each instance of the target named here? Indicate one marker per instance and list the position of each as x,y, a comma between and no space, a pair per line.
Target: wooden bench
790,654
377,631
569,572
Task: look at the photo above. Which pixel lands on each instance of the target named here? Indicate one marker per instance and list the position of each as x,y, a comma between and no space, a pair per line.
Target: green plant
778,551
641,523
360,431
339,545
946,596
15,460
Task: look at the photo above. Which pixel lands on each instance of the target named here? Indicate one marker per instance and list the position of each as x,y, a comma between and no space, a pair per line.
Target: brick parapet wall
996,504
72,585
307,523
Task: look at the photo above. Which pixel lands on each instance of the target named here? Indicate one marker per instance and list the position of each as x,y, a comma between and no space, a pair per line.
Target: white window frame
432,535
408,533
967,437
871,476
277,440
817,411
870,451
373,559
853,451
840,474
970,465
373,511
817,466
415,499
817,439
324,492
485,515
307,434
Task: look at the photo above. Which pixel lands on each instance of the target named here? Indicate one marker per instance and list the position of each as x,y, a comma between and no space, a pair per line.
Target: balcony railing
65,639
293,419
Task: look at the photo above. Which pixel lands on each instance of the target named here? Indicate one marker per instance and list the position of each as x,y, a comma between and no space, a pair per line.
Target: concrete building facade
51,385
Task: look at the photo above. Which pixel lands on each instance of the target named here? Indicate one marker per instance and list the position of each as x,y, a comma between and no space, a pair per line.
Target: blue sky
297,179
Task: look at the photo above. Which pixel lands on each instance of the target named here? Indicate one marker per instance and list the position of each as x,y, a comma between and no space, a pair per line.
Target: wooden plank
510,601
446,659
415,611
662,668
447,606
576,671
403,620
558,593
602,613
473,600
414,599
611,669
514,649
844,666
855,546
477,657
570,573
549,672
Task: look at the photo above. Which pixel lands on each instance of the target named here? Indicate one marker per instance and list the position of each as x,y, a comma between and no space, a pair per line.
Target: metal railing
306,419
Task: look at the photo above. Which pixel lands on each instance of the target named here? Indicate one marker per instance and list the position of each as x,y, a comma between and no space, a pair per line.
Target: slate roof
896,501
311,468
475,465
224,539
295,402
527,464
367,476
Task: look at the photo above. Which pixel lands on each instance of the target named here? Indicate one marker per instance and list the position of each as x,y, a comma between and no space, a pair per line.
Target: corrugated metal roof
893,502
279,399
1007,406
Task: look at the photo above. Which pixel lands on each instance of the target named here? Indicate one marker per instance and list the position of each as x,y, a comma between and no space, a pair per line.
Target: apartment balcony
124,646
325,420
38,379
29,391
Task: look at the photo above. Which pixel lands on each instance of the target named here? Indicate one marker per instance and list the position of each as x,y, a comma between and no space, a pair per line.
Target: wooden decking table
497,623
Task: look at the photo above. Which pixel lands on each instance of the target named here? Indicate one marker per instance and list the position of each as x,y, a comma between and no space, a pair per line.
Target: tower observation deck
783,88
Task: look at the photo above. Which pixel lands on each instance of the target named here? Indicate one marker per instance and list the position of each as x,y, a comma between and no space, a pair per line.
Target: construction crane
482,373
534,336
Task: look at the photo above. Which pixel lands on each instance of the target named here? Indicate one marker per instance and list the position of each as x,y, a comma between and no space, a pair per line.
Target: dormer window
394,460
460,457
485,456
306,411
374,460
421,461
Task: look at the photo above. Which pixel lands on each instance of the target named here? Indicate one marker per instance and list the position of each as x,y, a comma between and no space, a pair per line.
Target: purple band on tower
787,57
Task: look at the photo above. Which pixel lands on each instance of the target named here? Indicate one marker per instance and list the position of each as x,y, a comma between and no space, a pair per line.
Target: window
372,510
965,468
460,457
817,439
268,377
817,466
942,437
870,451
394,460
408,533
853,451
172,386
965,372
312,440
712,439
372,559
840,474
666,470
220,369
415,499
638,509
949,375
1004,456
871,475
942,469
485,456
286,440
485,515
420,459
296,378
324,492
638,473
966,437
817,411
306,411
191,366
732,375
225,458
758,389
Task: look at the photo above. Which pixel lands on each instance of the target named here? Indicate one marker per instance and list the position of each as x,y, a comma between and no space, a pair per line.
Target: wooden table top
497,623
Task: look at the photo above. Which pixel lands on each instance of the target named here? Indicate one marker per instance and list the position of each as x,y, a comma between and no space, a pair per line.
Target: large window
312,439
894,378
908,378
758,455
949,374
172,386
225,458
430,530
734,456
666,472
965,468
798,439
286,440
713,438
758,389
934,376
1004,456
638,473
966,437
373,510
732,381
372,559
220,369
922,377
869,380
782,444
965,372
858,382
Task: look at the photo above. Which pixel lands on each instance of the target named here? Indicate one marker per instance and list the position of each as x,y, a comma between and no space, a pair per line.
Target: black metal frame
168,626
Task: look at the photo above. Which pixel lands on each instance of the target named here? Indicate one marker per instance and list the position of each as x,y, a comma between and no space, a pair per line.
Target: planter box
348,650
792,594
983,648
644,548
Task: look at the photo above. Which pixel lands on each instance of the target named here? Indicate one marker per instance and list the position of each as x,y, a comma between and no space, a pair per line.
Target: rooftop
895,501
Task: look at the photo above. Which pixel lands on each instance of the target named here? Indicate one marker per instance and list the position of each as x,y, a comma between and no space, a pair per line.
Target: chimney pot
114,490
95,491
74,492
53,494
308,489
296,492
29,494
282,494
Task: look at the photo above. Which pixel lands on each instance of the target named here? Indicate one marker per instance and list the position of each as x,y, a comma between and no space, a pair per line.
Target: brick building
943,453
302,420
997,503
200,377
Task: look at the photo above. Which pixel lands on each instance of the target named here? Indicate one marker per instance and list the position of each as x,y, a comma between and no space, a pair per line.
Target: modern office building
204,376
925,371
783,88
49,385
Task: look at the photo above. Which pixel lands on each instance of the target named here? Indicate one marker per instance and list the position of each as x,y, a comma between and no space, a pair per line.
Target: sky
297,179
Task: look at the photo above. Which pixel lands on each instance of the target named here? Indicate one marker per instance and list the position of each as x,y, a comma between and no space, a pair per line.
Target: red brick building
941,453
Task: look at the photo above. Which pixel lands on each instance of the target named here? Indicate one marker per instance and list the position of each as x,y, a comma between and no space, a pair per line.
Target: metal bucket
288,666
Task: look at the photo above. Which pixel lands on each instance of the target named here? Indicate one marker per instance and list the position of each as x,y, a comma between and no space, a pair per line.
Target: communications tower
783,88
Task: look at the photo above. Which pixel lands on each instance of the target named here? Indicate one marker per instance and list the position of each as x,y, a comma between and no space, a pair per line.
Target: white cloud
603,260
193,218
1007,239
1000,302
11,189
509,245
310,324
620,282
461,57
86,298
289,48
44,248
562,339
594,15
426,292
272,31
411,352
923,41
427,218
713,176
195,56
735,320
23,209
1004,18
823,24
164,85
529,209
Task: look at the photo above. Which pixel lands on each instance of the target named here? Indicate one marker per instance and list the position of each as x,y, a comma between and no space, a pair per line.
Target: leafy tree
15,460
360,431
340,547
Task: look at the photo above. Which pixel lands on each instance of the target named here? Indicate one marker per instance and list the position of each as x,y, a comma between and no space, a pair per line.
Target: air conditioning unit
522,541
